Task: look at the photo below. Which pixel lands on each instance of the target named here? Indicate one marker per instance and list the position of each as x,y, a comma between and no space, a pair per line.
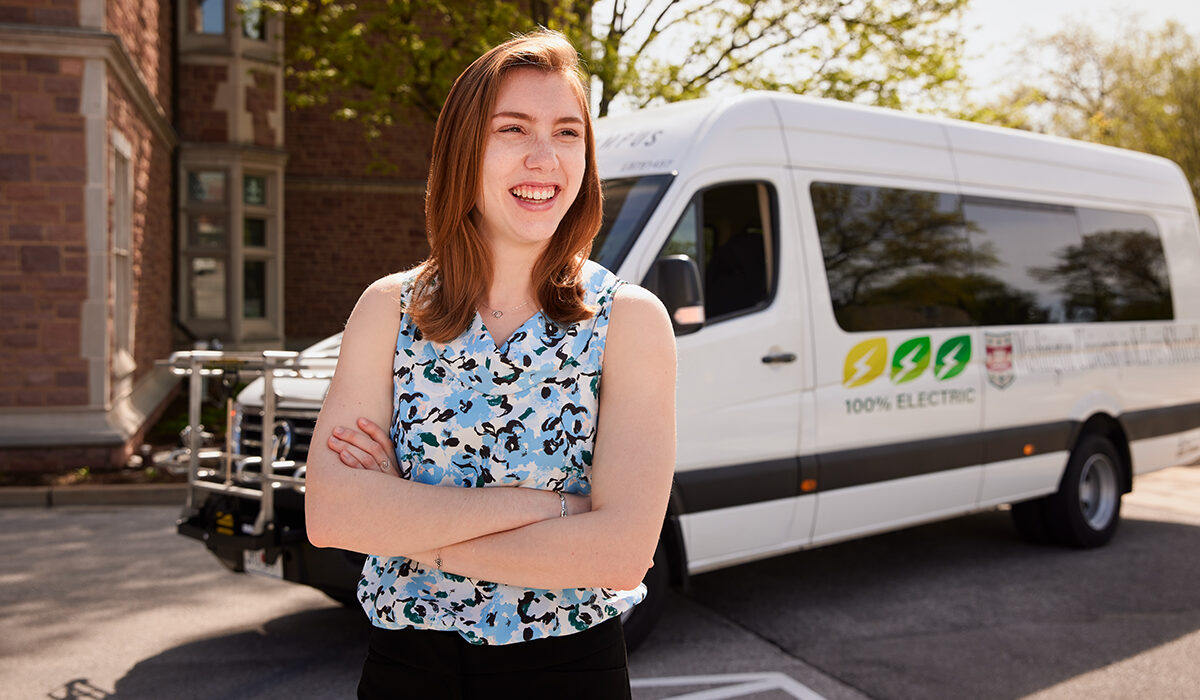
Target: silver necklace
497,313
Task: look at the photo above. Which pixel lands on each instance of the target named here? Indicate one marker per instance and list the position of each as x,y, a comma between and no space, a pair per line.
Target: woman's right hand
369,447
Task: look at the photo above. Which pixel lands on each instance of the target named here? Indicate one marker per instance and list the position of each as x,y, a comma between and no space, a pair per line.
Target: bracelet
563,502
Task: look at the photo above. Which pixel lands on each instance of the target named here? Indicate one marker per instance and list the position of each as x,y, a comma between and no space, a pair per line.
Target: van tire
638,622
1085,511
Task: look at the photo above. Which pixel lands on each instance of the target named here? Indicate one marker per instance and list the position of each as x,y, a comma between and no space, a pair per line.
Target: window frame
771,249
963,198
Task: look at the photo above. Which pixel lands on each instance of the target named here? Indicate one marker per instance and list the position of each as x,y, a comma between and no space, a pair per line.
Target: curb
113,495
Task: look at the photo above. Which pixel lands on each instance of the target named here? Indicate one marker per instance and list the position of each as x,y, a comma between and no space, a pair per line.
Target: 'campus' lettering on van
635,139
867,360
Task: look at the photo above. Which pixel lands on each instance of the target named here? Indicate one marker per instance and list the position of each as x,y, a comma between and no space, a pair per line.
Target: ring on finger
385,465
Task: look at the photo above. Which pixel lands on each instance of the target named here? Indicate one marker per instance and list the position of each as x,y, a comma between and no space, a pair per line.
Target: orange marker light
808,485
1028,449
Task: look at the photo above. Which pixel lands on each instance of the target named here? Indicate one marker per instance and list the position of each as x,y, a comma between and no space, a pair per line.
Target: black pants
410,663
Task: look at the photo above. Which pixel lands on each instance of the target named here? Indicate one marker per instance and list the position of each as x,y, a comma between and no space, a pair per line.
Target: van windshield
628,203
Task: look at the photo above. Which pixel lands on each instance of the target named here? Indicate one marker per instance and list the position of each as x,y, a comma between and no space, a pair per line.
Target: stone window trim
92,44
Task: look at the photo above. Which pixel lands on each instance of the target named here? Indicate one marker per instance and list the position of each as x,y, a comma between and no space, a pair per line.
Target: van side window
893,258
1115,272
729,231
1013,242
899,259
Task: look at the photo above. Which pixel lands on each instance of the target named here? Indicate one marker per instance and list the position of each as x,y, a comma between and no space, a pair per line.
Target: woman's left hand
369,447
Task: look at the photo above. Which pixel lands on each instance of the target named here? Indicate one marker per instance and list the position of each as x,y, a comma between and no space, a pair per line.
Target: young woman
506,360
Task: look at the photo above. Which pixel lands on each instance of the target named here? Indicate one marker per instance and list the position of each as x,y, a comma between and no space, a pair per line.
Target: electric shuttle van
886,319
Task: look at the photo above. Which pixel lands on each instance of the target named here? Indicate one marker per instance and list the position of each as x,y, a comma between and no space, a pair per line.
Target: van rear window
899,258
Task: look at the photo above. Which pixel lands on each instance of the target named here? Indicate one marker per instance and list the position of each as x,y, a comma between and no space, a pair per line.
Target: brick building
154,191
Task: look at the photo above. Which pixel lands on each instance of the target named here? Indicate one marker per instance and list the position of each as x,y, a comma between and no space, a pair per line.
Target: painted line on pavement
738,685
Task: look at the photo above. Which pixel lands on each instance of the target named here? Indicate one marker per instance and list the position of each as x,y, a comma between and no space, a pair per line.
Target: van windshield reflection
628,204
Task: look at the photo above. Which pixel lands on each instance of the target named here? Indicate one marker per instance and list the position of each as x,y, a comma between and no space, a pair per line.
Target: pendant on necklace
497,314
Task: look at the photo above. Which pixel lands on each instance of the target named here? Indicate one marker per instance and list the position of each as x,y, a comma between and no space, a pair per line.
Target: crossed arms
503,534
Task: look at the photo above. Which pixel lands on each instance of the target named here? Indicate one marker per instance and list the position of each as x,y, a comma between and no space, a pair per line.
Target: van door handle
779,357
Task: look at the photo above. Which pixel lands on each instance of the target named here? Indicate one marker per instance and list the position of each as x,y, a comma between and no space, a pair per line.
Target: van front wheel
1085,511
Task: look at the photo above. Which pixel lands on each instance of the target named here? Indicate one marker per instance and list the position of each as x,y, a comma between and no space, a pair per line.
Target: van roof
849,140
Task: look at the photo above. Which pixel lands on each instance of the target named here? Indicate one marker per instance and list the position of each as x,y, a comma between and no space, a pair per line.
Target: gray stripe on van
1156,422
742,484
736,485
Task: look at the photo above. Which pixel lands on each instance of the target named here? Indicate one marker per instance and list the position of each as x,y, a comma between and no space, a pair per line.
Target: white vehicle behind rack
885,319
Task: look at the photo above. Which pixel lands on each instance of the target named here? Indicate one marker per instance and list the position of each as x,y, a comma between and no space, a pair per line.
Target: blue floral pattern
471,414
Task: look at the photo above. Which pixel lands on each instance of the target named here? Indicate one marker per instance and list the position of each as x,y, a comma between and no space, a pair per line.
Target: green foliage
1140,92
377,58
873,51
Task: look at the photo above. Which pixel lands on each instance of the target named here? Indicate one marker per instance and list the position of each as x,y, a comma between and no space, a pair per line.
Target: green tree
1112,276
875,51
1141,92
378,57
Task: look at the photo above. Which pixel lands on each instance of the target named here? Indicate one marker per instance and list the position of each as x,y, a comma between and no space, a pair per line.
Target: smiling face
533,159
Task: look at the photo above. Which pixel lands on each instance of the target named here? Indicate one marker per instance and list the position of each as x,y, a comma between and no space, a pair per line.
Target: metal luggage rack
199,365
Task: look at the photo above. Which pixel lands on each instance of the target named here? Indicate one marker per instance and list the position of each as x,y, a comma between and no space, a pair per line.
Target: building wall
60,13
354,212
202,116
43,256
70,101
145,29
340,239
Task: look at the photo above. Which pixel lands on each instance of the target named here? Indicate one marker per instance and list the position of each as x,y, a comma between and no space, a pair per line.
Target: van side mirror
675,279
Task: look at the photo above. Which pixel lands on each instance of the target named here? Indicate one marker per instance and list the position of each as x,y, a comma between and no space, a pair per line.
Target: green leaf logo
952,357
864,362
911,359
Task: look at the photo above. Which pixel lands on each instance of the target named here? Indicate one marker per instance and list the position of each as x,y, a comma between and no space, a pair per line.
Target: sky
996,29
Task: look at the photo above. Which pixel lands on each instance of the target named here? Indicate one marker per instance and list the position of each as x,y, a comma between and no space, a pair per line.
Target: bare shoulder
639,326
381,300
393,285
373,324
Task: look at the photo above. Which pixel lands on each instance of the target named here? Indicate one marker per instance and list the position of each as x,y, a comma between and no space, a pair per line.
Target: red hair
458,272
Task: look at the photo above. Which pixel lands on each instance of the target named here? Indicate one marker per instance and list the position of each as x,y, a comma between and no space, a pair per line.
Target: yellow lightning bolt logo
864,362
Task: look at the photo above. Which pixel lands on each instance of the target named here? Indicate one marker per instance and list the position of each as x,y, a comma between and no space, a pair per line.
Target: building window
206,216
206,16
122,237
258,249
206,291
254,23
230,261
254,289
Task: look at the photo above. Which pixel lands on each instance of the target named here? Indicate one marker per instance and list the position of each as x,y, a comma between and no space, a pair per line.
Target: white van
907,319
886,319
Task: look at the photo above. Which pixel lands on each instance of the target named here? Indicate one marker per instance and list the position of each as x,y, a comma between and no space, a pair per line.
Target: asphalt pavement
106,601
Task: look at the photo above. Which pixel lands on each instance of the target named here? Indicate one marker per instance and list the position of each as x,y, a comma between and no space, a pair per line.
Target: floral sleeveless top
472,415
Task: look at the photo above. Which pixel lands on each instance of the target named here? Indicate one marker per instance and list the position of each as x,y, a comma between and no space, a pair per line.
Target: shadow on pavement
965,609
310,654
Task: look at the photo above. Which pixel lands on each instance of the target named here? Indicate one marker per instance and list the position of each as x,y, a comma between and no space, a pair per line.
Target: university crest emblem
999,359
